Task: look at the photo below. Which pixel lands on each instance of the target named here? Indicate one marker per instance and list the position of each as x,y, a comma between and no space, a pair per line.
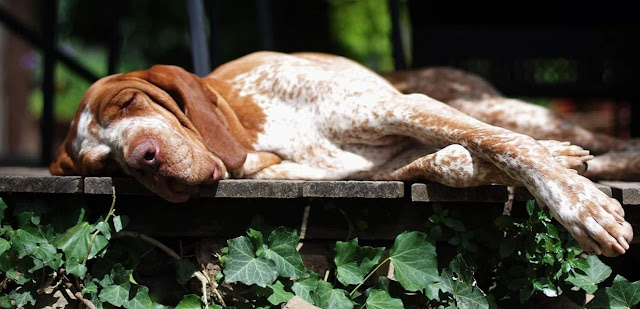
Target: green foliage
39,249
242,264
325,296
523,257
382,300
69,87
622,294
414,261
190,302
458,281
279,295
354,262
362,28
587,278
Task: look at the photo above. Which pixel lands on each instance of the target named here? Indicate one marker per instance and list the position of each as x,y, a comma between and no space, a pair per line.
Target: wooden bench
401,205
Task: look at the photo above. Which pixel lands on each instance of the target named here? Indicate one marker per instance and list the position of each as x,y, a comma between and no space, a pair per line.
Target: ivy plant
503,265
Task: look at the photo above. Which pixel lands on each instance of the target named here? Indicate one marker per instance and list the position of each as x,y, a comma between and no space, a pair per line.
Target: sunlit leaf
354,262
141,300
304,287
414,261
458,281
279,295
242,265
281,249
75,241
379,299
116,294
327,297
621,294
23,297
588,278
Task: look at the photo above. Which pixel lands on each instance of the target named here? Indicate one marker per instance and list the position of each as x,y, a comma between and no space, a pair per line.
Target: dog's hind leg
539,123
615,165
593,218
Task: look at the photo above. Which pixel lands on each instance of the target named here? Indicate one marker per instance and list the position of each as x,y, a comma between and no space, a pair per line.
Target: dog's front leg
593,218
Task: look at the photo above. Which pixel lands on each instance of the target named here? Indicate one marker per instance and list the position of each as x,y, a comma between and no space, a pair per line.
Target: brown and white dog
313,116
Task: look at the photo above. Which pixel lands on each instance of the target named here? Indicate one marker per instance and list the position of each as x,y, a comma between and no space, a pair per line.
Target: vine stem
369,275
170,252
78,296
106,219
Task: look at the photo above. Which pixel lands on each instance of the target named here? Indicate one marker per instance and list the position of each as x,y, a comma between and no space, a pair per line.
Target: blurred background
577,58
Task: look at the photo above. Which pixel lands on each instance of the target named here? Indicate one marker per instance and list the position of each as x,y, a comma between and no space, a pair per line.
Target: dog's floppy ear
63,164
199,105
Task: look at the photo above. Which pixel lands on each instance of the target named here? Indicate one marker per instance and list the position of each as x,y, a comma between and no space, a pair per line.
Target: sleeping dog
318,117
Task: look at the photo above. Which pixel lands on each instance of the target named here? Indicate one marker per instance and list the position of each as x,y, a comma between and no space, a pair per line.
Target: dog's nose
144,154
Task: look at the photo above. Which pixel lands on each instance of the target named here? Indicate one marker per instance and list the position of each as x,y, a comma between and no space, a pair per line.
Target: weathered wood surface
38,180
627,192
434,192
41,184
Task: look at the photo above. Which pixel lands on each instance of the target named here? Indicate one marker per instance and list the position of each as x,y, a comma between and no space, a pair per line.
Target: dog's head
161,126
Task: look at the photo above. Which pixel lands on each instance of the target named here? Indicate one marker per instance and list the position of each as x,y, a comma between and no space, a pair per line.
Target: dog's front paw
594,219
570,156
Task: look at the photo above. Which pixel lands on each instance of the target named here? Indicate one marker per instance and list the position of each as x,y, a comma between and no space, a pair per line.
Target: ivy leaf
75,241
116,294
354,262
120,275
379,299
74,267
20,277
89,288
141,300
3,207
4,245
282,251
303,288
327,297
190,302
184,271
242,264
5,301
120,222
257,239
22,297
27,218
279,295
98,247
414,261
45,252
350,273
104,228
433,291
621,294
588,278
56,262
25,240
458,280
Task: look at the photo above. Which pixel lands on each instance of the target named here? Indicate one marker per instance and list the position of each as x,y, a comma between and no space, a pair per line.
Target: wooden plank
41,184
240,188
522,194
249,188
434,192
353,189
123,185
627,192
